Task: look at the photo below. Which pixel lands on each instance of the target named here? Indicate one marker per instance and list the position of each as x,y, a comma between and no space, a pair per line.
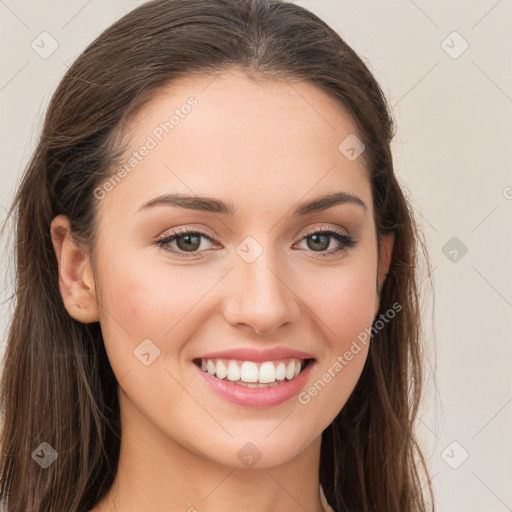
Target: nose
260,296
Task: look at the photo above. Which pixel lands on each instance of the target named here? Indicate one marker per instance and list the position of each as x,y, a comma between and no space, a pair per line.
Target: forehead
225,135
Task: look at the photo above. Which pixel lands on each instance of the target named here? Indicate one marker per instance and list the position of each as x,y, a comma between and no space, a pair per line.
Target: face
255,270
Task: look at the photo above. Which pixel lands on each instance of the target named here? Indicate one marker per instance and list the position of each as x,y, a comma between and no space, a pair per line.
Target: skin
262,146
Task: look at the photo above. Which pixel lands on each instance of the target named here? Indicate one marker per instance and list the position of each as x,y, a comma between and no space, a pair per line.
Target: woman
216,302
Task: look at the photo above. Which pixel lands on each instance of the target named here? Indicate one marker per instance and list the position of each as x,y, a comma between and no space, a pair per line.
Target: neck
157,473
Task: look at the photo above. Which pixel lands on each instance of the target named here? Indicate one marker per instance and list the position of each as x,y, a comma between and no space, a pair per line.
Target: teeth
290,370
233,371
248,372
281,371
252,374
257,385
221,370
267,373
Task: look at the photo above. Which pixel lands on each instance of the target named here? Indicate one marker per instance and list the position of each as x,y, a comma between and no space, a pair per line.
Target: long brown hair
57,384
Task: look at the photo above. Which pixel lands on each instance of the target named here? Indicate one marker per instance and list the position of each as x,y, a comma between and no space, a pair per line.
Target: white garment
323,500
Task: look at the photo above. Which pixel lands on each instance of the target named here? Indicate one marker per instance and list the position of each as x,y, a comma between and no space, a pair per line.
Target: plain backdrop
445,68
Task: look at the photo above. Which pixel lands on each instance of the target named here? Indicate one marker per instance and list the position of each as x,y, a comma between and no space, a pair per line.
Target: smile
253,374
255,384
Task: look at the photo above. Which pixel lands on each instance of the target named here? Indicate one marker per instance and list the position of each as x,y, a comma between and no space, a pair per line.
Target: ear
76,278
385,255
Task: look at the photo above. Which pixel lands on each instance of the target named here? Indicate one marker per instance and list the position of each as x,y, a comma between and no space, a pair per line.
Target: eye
187,241
319,241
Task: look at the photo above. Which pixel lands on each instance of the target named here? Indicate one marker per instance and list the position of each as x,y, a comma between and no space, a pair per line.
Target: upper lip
251,354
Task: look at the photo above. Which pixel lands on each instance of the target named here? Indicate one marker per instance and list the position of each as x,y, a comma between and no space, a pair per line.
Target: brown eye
318,241
188,242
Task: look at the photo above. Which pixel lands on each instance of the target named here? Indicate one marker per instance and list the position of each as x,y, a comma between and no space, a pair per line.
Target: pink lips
257,397
251,354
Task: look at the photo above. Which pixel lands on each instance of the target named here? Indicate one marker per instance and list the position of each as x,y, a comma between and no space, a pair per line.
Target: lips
257,355
269,395
255,377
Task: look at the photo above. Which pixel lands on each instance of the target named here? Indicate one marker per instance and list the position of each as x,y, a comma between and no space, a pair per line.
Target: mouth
254,374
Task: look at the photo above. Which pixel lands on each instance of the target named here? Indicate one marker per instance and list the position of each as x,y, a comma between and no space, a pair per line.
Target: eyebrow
209,204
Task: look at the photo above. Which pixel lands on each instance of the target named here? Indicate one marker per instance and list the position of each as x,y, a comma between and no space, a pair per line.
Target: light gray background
452,151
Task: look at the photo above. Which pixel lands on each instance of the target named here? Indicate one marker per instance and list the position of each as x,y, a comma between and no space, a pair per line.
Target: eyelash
346,241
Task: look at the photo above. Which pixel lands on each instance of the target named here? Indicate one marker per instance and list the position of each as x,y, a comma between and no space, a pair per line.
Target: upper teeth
249,371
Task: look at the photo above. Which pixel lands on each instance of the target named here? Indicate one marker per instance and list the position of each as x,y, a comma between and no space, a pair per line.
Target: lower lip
257,397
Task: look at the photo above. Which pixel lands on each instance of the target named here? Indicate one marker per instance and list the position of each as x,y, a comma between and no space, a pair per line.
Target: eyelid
316,229
204,231
189,228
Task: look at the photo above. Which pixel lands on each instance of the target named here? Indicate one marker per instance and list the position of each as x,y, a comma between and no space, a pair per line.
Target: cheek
346,312
144,300
136,305
346,303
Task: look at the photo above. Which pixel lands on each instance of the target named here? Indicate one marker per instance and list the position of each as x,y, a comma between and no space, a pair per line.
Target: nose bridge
261,297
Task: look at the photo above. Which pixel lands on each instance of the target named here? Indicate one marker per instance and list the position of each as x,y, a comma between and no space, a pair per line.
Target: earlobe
76,278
